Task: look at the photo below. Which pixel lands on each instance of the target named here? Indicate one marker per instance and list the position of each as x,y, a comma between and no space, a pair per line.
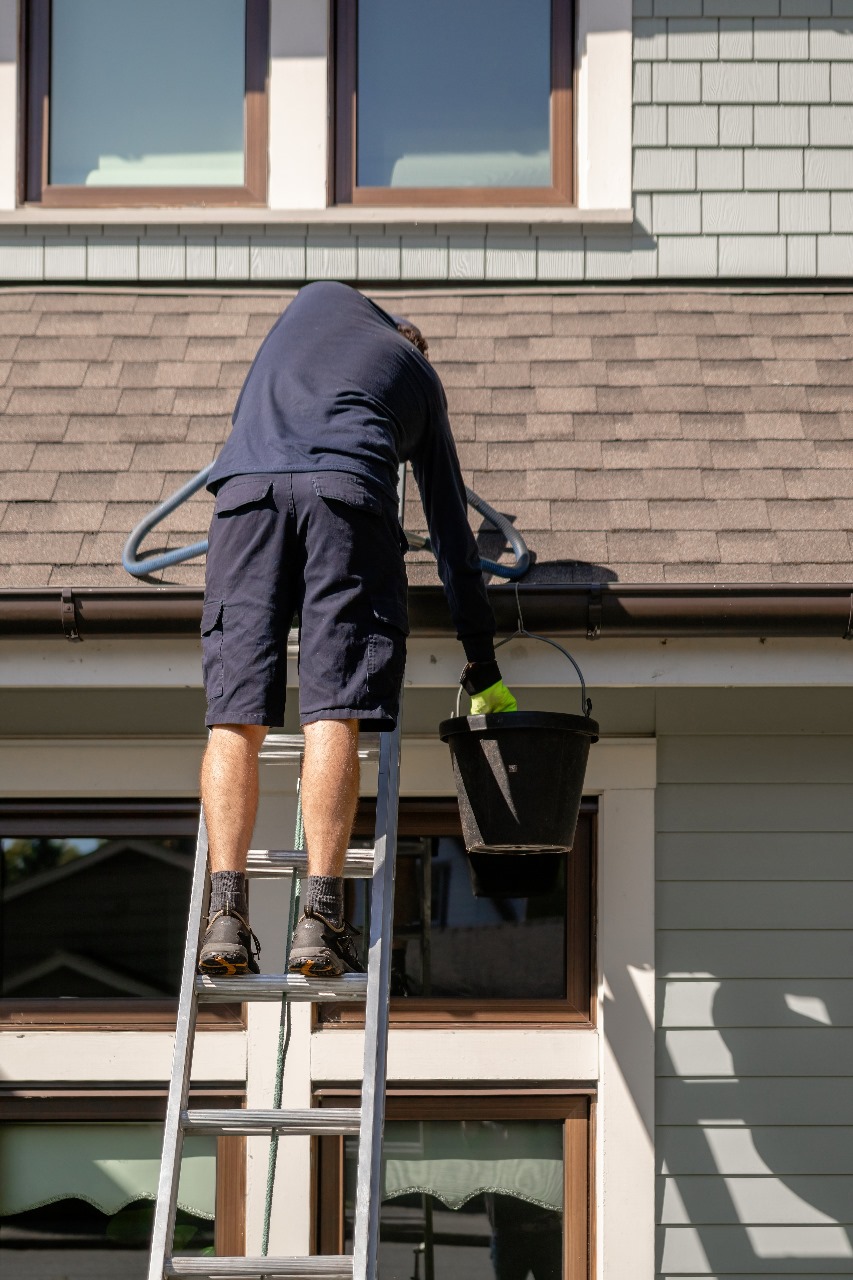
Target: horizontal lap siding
755,1004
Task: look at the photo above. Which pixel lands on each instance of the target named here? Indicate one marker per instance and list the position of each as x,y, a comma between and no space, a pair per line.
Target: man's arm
439,479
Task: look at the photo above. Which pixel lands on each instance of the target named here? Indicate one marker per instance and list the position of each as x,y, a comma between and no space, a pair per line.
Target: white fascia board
8,103
436,663
298,106
604,87
117,1056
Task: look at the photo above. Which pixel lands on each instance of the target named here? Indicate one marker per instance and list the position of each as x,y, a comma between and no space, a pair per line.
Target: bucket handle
521,630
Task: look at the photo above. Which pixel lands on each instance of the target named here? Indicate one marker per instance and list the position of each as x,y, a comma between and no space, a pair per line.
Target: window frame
117,1106
575,1107
577,1009
34,185
59,818
344,127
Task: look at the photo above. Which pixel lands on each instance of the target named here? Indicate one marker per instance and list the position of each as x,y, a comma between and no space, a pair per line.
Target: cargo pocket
211,648
386,665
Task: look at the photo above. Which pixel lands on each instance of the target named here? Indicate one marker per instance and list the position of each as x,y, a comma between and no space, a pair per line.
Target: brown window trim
35,127
578,1008
57,818
115,1106
344,118
576,1108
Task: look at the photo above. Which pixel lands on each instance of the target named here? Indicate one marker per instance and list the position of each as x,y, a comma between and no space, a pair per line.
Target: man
306,523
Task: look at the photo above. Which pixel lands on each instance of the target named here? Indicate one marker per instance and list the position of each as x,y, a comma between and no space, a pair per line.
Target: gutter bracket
848,634
68,616
593,615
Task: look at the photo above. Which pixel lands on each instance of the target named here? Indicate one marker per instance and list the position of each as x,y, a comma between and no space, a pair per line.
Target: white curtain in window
457,1160
108,1165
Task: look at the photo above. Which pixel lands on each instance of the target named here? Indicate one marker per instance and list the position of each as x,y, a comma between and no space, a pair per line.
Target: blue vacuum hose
138,568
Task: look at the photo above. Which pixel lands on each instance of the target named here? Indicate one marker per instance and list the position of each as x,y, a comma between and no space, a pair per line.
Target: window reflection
467,1200
450,943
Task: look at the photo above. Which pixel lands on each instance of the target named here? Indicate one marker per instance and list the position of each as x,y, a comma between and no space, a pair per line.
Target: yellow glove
496,698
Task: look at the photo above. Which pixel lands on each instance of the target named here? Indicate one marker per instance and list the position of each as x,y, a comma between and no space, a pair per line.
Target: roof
633,435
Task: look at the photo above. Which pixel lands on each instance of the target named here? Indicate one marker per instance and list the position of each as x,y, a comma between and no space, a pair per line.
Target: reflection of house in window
463,944
94,918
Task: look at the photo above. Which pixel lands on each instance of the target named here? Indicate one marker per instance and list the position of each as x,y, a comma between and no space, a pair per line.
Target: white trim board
116,1056
170,767
436,663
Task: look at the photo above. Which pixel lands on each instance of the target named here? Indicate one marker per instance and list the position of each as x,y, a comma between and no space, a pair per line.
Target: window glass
454,95
147,94
77,1200
450,943
94,917
477,1199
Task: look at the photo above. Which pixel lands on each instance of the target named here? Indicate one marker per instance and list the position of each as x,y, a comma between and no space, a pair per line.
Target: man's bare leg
329,793
229,793
322,944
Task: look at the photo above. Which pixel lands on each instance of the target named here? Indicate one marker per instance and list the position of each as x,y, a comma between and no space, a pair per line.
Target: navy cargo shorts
325,546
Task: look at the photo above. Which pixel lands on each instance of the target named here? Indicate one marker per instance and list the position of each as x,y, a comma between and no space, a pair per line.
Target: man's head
413,333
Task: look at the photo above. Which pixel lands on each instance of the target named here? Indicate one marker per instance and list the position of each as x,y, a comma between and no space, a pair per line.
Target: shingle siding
754,1099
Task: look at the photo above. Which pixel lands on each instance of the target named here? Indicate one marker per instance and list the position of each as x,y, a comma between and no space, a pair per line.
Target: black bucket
519,777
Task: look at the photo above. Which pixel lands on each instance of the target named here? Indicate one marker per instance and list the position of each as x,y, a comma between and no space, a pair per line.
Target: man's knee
230,735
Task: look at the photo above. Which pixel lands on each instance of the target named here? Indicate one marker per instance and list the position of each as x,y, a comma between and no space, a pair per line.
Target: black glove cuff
478,676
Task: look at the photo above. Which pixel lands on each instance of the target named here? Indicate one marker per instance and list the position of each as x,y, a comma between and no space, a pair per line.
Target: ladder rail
179,1081
369,1175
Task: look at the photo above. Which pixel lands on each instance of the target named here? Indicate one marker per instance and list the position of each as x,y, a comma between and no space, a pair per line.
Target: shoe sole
216,966
319,964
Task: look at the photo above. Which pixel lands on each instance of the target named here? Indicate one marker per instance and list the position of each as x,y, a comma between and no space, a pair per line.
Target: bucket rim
557,721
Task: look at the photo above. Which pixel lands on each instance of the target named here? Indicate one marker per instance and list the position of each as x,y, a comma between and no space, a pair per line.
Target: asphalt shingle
651,435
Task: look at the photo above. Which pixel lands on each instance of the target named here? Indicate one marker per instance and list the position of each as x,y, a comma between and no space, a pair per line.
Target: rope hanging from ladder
285,1024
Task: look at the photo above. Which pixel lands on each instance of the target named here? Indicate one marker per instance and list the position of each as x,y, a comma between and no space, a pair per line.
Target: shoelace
229,911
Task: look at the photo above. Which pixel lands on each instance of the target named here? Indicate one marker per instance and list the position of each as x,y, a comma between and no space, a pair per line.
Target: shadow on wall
754,1150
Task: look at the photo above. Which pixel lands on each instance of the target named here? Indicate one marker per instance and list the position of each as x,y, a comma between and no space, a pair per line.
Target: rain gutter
607,610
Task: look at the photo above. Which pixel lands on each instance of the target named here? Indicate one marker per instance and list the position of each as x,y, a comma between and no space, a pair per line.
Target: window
447,103
467,950
155,103
94,898
78,1179
474,1186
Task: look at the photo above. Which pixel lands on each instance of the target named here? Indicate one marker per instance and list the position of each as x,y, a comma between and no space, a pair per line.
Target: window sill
300,219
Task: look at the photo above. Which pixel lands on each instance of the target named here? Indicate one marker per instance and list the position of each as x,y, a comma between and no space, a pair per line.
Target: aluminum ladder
367,1120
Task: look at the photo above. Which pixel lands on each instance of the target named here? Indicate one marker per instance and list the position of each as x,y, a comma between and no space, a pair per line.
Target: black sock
228,890
323,896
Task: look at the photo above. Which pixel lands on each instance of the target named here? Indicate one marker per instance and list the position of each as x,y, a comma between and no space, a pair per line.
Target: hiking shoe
229,949
323,948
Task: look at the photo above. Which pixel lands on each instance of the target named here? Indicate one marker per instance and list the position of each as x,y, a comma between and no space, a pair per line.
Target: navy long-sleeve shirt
336,387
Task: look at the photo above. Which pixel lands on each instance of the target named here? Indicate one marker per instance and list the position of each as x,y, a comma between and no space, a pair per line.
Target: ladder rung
239,1122
266,862
265,986
290,747
327,1268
